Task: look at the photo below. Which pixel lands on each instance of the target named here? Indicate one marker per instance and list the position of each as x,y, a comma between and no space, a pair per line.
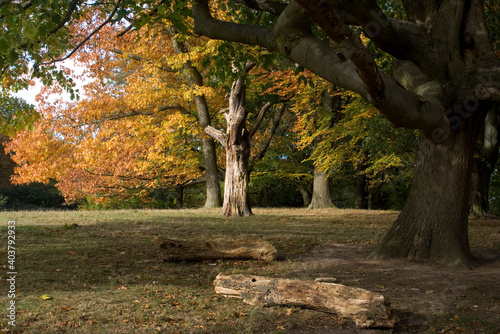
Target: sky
30,94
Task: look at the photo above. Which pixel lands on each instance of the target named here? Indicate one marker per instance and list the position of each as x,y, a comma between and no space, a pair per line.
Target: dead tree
365,308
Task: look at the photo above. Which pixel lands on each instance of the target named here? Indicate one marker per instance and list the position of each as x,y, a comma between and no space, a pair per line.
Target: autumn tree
316,117
15,115
365,145
310,98
195,79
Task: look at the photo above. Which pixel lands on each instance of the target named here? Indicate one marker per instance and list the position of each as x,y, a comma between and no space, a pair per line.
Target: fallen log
183,250
365,308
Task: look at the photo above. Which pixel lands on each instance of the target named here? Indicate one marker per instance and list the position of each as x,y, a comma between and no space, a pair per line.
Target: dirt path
423,295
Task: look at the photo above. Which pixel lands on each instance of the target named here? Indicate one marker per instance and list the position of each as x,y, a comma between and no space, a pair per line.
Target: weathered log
183,250
365,308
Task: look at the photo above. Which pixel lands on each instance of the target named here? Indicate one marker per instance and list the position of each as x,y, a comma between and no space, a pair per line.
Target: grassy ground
103,273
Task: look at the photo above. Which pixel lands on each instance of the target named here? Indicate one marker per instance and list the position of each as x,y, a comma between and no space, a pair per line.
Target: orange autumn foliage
134,130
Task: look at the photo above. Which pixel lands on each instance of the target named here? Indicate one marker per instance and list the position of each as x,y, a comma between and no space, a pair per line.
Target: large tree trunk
179,197
484,165
236,141
321,197
434,222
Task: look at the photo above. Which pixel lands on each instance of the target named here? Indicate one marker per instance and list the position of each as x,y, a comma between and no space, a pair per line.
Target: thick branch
336,29
276,123
218,135
72,7
260,118
349,68
400,106
206,25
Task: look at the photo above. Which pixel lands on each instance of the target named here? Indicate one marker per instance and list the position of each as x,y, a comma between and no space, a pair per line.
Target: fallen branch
365,308
182,250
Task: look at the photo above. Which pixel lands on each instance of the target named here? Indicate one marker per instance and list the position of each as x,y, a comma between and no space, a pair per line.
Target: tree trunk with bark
434,222
212,179
321,198
484,164
236,197
179,197
306,196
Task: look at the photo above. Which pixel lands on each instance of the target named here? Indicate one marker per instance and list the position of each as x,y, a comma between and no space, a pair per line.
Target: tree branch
218,135
133,113
260,118
72,7
205,24
335,28
272,7
347,65
276,123
153,11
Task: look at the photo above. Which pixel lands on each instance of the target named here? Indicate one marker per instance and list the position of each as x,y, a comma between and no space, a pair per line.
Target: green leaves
16,115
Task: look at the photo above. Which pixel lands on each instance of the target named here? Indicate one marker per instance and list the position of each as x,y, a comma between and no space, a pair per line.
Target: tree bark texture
183,250
306,196
236,141
484,164
236,197
321,198
212,180
365,308
434,222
